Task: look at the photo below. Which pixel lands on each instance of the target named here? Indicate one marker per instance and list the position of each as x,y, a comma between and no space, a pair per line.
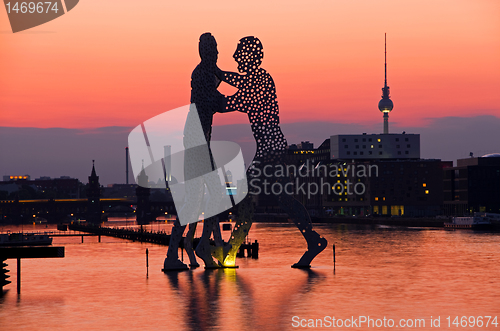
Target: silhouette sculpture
256,96
198,159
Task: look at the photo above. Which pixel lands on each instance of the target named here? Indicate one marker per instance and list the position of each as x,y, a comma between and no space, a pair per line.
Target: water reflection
214,298
380,271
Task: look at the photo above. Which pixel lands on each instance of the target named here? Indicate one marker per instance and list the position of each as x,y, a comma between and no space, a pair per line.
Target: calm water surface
392,272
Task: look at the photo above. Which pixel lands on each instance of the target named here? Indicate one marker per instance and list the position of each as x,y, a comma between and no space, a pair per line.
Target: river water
396,273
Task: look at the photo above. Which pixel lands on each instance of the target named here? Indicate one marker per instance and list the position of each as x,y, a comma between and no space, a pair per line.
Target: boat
24,239
478,222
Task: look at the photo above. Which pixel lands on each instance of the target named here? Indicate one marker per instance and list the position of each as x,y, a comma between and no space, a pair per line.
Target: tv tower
385,105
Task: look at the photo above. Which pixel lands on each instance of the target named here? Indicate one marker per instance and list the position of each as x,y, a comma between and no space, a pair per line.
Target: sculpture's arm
231,78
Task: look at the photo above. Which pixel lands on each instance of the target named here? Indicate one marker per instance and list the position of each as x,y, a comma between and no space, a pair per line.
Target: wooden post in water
333,257
147,262
18,275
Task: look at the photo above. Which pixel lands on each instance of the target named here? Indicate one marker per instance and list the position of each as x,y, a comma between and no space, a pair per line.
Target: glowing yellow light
371,146
426,191
378,139
376,198
424,185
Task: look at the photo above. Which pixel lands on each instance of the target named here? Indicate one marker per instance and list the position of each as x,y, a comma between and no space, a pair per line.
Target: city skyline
69,152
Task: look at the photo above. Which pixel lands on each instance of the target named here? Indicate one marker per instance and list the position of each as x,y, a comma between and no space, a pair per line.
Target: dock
24,252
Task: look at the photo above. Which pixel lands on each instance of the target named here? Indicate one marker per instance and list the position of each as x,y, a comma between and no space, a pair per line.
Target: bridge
63,210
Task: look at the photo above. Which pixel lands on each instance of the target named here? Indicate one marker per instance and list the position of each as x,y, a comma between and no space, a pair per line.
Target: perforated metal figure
257,98
207,100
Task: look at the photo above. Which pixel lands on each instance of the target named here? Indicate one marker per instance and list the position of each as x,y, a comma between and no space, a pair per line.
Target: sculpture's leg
172,261
203,249
240,231
188,245
220,250
299,215
216,231
215,194
189,214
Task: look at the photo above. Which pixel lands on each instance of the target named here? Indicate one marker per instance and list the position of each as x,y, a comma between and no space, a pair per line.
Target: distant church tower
385,105
143,211
94,212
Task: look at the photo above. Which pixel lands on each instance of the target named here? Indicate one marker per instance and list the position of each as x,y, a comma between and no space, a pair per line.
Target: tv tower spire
385,105
385,59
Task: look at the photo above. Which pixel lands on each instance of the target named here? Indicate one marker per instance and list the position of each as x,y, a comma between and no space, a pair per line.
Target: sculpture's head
208,48
248,54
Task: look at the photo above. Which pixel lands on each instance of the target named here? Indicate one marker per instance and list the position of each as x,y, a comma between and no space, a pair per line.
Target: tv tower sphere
385,105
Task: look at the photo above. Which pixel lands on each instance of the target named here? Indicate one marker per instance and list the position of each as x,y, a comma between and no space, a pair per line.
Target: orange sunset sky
120,62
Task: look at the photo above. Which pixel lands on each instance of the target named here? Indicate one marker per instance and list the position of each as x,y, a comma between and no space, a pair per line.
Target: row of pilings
159,237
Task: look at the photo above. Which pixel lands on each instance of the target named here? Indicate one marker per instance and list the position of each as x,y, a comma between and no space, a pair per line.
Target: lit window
424,185
426,191
376,198
371,146
383,198
378,139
